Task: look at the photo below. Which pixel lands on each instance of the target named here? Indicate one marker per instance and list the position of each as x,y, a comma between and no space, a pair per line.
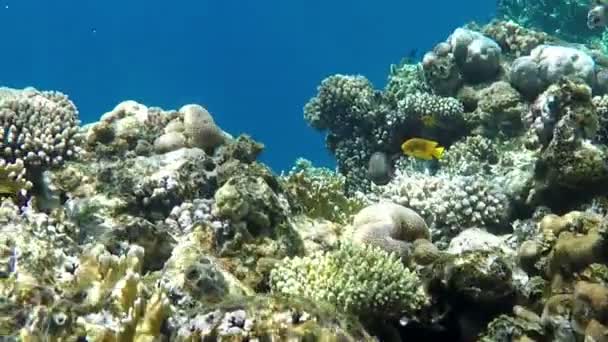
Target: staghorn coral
115,305
374,283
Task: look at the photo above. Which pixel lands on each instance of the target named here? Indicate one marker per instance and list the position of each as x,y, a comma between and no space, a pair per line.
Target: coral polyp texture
155,224
363,280
40,127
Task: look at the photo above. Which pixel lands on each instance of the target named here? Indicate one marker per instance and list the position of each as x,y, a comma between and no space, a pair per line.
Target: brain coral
389,226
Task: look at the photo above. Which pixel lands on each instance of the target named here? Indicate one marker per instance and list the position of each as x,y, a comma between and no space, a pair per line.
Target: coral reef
157,225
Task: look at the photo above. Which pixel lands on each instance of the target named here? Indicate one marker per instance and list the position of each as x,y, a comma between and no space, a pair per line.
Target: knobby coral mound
389,226
40,127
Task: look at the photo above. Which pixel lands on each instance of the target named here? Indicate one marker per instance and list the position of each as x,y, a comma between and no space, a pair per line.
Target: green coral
373,283
320,192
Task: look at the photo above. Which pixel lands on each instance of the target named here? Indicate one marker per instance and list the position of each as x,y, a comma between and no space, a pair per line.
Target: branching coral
341,101
373,283
39,127
450,203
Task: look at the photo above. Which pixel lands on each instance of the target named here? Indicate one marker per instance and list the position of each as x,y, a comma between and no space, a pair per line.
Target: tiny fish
422,148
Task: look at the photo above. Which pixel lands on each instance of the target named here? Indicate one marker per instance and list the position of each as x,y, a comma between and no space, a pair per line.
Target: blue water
253,64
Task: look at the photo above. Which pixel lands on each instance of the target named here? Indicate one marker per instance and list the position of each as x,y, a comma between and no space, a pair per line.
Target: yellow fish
422,148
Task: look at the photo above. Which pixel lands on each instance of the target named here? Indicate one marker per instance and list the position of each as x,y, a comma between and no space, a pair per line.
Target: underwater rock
525,76
475,239
160,182
249,199
124,128
514,328
316,234
270,318
499,110
556,62
590,303
556,317
475,277
191,276
424,252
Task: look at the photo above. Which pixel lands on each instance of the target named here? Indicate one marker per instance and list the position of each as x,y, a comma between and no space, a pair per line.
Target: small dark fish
380,168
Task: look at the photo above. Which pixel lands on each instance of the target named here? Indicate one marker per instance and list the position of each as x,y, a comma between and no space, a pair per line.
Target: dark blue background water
252,63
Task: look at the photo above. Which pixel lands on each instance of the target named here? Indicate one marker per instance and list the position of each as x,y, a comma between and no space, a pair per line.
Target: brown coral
200,128
389,226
